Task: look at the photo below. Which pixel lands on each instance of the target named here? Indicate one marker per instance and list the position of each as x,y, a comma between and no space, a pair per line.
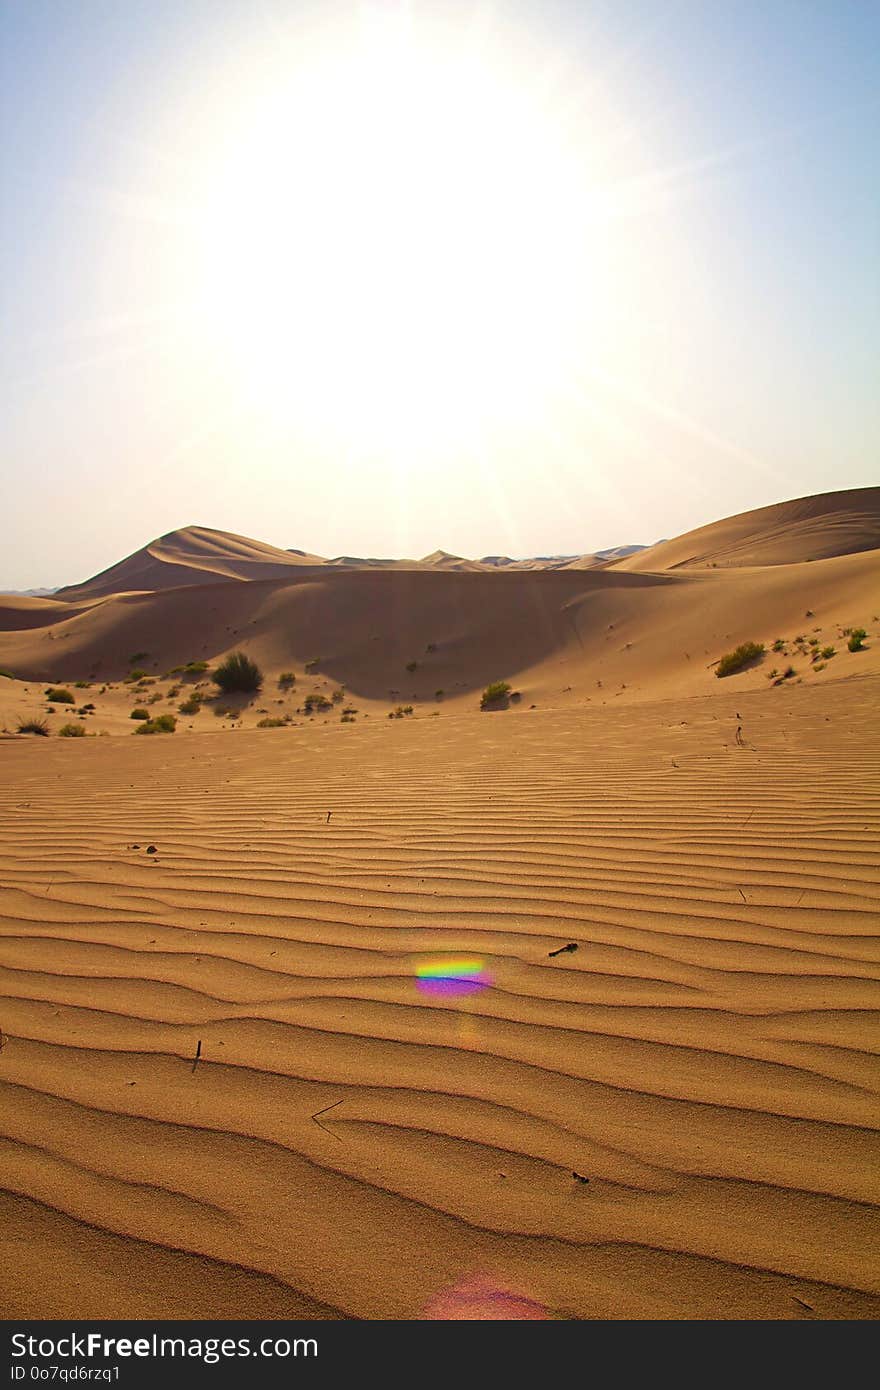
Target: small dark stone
151,849
580,1177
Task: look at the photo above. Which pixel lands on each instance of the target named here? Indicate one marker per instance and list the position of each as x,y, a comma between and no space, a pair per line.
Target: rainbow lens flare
452,975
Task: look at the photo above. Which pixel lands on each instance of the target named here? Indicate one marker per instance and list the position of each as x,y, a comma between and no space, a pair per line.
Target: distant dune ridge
643,1081
628,626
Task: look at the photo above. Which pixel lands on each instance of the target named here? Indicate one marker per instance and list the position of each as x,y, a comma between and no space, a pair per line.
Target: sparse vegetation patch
33,726
741,656
237,672
495,694
162,724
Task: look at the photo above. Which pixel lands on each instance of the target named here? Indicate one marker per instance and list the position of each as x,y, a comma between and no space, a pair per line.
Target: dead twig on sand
572,946
324,1112
198,1054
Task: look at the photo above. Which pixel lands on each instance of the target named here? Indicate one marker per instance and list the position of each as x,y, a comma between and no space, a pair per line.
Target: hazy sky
377,278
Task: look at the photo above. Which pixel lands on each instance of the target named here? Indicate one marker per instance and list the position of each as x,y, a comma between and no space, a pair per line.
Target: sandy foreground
351,1143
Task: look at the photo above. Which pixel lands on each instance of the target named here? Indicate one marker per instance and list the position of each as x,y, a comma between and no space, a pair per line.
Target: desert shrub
786,675
72,731
828,653
155,697
316,702
349,709
438,694
60,695
494,693
400,712
7,674
238,672
33,726
192,705
779,644
338,696
139,713
412,666
856,639
287,678
347,719
137,674
820,666
739,657
162,724
82,685
195,668
312,663
270,723
814,641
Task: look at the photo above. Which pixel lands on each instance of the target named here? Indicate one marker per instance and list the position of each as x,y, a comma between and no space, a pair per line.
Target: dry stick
324,1112
198,1054
2,1040
742,895
808,1306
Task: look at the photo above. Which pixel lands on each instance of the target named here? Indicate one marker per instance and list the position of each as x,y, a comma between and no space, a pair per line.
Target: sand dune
703,1058
230,1083
808,528
191,556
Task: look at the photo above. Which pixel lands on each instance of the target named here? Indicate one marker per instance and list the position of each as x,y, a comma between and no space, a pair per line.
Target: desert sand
231,1083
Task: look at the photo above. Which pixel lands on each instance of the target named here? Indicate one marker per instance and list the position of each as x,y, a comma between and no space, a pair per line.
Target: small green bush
7,674
348,719
237,672
162,724
33,726
856,639
60,695
739,657
316,702
271,723
828,653
779,644
349,709
338,696
137,674
494,694
195,668
192,705
82,685
438,694
412,666
286,679
139,713
72,731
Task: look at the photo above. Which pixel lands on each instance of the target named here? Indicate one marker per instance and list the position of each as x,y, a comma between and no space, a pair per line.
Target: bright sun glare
397,237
